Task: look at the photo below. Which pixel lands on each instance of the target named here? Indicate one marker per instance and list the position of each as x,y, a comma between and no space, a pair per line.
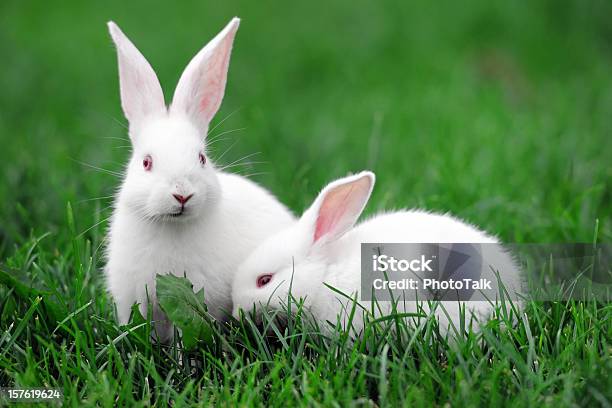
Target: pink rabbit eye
263,280
202,159
147,162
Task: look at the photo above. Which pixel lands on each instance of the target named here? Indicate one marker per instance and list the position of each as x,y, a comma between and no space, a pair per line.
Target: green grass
501,114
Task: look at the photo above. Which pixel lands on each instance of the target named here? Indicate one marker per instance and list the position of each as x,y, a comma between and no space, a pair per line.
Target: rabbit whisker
226,150
120,123
242,164
115,138
208,144
100,169
221,122
249,175
96,199
93,226
227,132
238,161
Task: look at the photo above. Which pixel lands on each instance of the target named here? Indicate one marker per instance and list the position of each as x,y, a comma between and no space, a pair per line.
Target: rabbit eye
147,162
202,159
263,280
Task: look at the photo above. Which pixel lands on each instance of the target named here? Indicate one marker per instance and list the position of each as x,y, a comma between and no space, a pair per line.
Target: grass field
501,114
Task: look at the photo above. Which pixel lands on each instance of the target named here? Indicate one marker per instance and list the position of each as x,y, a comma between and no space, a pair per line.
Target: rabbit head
296,259
169,175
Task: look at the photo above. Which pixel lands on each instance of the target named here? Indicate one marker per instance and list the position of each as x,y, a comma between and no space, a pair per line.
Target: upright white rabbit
323,247
175,213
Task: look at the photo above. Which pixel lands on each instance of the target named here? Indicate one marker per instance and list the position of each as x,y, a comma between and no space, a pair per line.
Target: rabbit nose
181,198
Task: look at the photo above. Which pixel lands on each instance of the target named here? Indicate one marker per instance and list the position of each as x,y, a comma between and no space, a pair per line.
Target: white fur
226,217
304,259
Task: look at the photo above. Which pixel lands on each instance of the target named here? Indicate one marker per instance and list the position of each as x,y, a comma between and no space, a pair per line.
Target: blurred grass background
500,113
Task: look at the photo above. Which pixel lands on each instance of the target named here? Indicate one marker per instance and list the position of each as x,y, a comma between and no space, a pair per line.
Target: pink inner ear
206,101
213,89
328,218
340,208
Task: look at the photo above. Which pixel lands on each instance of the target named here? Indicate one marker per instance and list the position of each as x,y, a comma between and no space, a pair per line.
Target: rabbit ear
338,206
201,87
141,94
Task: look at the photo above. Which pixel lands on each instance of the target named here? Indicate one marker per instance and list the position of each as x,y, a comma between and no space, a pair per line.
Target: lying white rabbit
175,213
324,248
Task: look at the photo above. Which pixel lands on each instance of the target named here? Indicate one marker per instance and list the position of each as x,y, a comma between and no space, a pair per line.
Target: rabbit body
343,269
206,250
176,212
323,248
